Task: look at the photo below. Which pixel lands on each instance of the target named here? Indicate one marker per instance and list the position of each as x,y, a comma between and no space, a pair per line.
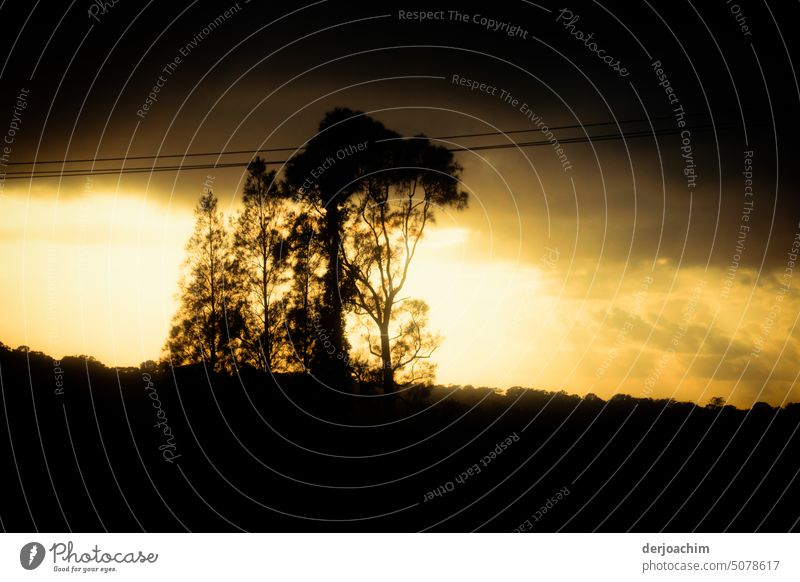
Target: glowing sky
610,276
95,272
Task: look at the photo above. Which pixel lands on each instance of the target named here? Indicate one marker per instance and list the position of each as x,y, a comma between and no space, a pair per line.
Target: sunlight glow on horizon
97,275
93,275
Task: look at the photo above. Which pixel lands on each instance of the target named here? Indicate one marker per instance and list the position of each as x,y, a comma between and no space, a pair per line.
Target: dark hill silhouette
280,453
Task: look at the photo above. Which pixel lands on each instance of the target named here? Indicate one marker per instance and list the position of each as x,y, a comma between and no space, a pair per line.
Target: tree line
309,275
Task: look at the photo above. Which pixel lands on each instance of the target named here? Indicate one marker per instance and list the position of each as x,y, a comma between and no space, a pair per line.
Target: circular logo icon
31,555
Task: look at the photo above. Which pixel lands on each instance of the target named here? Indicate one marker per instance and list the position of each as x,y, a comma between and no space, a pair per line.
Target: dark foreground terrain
89,448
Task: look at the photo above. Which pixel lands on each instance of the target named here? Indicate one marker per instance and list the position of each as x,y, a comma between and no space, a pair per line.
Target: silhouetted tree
762,408
716,403
388,219
258,272
199,330
409,343
593,398
303,297
347,147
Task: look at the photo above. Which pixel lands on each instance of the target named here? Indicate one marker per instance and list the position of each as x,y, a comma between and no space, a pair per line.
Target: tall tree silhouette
348,146
303,297
388,219
403,347
199,331
258,272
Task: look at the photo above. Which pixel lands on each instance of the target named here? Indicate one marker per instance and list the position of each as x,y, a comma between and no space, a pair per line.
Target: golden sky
611,277
93,270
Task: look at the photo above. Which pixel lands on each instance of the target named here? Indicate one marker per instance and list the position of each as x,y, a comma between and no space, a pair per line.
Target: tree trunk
331,362
306,331
386,361
213,289
266,339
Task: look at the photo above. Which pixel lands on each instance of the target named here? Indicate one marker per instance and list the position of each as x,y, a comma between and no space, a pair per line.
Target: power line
77,172
599,138
559,127
297,148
